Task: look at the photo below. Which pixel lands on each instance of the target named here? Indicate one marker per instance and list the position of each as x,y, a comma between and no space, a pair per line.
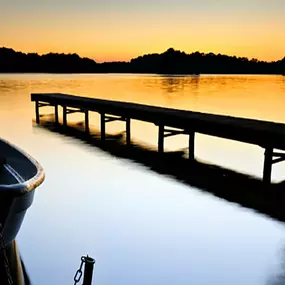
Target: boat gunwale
29,184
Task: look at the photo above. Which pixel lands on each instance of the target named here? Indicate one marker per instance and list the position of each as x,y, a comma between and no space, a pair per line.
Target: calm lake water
141,227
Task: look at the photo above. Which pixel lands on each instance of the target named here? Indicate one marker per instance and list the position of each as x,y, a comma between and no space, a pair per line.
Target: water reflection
175,84
144,228
242,96
235,187
11,85
283,83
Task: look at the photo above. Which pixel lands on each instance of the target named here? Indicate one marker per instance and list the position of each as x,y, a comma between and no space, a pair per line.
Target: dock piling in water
267,168
56,114
161,138
87,131
37,112
192,146
128,131
64,115
103,130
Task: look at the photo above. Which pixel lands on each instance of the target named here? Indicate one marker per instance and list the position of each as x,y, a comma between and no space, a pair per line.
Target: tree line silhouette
169,62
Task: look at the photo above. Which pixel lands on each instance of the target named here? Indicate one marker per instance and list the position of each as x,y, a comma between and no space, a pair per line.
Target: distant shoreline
171,62
140,73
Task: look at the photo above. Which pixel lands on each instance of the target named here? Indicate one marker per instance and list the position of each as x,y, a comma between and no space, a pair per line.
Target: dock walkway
268,135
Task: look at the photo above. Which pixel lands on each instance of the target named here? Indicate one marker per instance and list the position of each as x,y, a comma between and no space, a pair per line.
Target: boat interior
15,167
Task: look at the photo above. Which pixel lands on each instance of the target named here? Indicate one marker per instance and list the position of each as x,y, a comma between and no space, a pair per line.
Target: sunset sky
122,29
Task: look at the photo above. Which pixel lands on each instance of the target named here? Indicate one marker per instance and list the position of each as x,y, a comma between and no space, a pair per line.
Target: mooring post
103,130
88,270
64,116
267,168
128,131
86,122
56,114
37,112
192,146
160,138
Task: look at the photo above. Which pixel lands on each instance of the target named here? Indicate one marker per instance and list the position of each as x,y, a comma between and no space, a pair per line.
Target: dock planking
170,122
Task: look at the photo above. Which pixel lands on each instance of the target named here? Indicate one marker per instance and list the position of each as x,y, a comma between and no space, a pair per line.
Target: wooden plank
277,160
44,104
279,154
109,118
72,111
170,133
278,157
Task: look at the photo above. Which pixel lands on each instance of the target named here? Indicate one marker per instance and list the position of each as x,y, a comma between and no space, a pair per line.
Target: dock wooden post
56,114
64,116
103,130
160,138
87,122
37,112
267,168
128,131
192,146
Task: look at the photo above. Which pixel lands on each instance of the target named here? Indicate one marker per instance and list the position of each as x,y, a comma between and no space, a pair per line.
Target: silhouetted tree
169,62
11,61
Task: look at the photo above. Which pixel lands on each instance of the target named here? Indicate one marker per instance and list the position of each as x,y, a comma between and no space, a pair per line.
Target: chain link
78,273
6,262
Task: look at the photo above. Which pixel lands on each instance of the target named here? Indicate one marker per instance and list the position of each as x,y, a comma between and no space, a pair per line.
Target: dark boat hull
20,175
15,216
17,268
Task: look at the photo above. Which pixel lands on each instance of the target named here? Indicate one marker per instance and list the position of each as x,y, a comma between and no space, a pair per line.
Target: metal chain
6,262
78,273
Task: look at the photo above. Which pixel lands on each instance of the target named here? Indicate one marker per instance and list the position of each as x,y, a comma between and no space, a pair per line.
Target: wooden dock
170,122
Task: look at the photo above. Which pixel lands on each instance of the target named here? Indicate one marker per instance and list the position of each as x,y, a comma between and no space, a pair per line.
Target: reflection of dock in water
232,186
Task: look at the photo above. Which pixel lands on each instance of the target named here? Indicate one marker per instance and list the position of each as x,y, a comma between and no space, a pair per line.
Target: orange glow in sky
120,30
